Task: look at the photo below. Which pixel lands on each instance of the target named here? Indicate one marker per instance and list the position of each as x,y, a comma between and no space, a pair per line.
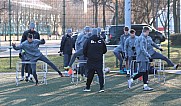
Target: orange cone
140,78
70,71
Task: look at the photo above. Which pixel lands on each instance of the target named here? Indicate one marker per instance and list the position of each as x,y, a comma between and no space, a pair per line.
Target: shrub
175,39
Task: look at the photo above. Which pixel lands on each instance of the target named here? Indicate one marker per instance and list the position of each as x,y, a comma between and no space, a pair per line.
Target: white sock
132,80
31,76
127,71
22,77
26,74
145,85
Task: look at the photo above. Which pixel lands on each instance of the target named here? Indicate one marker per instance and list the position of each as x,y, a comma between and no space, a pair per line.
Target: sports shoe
147,88
127,75
31,80
101,90
61,75
36,83
68,67
122,72
129,83
22,79
26,79
87,90
176,66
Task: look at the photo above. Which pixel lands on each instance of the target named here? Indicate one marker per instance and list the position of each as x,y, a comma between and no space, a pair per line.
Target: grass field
60,92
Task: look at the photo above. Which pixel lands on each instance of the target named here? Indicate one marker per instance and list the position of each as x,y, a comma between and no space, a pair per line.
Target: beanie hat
87,29
32,25
68,31
99,30
94,31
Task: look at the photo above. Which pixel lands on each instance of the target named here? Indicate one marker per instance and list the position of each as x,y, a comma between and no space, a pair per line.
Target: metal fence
50,16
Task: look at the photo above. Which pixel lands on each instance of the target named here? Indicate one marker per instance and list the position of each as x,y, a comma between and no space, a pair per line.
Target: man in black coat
22,54
66,47
93,49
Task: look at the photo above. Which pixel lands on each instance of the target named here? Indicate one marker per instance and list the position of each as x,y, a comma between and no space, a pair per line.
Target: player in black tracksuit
93,49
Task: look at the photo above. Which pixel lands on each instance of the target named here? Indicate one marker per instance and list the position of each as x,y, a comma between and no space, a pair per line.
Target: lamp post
63,27
10,30
168,16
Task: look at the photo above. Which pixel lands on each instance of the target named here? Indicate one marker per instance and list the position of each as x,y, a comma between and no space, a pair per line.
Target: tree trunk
178,16
96,13
104,13
175,16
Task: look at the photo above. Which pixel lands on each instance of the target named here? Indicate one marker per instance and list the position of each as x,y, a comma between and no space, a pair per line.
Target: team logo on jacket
99,41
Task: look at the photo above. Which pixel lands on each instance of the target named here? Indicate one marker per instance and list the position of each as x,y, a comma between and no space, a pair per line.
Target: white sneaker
147,88
22,79
87,90
102,90
176,66
129,83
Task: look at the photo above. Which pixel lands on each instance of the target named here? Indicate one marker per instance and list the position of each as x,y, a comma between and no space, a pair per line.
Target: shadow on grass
59,91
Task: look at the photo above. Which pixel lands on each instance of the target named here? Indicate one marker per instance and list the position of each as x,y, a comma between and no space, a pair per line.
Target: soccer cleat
87,90
176,66
147,88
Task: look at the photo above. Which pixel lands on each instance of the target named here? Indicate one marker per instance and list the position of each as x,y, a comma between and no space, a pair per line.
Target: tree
96,3
176,15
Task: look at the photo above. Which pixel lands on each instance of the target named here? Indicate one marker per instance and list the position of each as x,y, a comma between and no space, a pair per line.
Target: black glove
161,49
123,55
20,55
43,40
60,53
133,48
150,59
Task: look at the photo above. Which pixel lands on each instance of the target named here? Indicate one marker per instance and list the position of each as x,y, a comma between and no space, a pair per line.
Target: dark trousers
44,59
145,76
90,77
75,55
25,68
119,57
157,55
67,58
83,70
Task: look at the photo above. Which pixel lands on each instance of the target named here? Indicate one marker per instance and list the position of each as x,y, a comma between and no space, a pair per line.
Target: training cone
70,71
140,78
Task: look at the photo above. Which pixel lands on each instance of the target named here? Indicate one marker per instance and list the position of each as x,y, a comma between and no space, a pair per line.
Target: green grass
60,92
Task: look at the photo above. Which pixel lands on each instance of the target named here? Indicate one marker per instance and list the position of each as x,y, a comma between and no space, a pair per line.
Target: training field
60,92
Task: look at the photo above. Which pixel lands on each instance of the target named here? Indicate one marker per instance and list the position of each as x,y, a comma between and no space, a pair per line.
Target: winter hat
69,31
32,25
99,30
94,31
87,29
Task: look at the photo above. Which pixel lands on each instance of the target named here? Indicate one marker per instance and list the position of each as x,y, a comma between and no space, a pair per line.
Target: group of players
90,46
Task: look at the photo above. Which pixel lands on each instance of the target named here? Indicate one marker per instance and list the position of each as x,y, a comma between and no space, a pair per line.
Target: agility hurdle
43,68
